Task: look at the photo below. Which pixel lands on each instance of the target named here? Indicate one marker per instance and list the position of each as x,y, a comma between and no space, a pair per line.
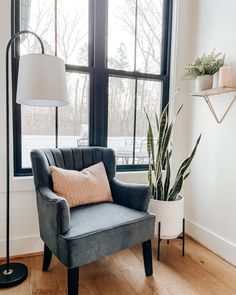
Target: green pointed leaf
167,180
166,142
187,175
186,163
174,192
150,142
180,108
150,173
168,134
160,191
157,122
180,175
154,192
163,125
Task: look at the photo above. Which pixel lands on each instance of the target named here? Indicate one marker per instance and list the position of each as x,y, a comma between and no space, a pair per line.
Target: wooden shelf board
214,91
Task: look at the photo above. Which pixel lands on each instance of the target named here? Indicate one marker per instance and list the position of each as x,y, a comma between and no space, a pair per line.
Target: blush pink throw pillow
82,187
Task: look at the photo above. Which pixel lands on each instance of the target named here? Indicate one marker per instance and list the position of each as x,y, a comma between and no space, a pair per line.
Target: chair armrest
135,196
54,212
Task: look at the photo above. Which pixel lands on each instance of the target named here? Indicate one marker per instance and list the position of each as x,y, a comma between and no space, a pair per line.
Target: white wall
210,192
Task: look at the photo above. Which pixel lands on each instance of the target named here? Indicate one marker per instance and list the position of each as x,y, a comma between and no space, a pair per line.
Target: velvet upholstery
85,233
107,228
135,196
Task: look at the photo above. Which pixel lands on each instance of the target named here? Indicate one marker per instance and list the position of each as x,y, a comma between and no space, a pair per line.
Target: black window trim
99,75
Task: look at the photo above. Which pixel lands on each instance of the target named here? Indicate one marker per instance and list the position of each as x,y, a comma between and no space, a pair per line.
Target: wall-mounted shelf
206,94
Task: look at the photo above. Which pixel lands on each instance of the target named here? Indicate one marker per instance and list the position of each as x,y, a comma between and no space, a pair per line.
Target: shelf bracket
218,120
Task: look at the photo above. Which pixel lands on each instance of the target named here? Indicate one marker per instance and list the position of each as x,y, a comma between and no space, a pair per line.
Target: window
117,56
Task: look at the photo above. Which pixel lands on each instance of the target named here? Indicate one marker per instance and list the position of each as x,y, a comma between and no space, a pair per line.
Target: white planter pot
204,82
170,215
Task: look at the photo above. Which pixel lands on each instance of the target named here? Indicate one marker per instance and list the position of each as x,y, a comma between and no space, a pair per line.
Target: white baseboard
213,242
22,245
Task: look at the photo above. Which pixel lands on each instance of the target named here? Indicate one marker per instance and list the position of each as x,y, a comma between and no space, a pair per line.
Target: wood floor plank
204,281
42,283
220,269
133,270
172,280
200,272
107,278
94,279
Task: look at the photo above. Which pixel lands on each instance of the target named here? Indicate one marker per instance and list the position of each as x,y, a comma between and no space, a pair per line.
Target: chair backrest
69,158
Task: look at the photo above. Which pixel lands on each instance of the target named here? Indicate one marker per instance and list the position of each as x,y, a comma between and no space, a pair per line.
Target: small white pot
215,83
204,82
170,214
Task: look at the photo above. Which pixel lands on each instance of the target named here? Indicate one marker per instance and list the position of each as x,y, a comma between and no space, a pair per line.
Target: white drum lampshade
41,81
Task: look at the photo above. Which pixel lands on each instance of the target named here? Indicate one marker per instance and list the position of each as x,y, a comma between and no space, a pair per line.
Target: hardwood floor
199,272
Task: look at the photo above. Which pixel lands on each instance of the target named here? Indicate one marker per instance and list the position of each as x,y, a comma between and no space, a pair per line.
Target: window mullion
91,67
56,109
91,33
135,35
135,119
100,81
166,49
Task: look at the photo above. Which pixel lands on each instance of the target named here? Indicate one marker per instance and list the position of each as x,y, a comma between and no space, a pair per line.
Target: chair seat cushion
100,229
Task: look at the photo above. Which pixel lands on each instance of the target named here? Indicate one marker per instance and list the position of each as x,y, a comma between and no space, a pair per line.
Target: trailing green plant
205,65
159,155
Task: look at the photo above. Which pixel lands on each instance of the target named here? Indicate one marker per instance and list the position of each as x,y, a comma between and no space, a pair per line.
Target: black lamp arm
8,140
21,33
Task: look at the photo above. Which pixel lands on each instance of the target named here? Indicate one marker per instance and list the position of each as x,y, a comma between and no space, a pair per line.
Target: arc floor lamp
41,82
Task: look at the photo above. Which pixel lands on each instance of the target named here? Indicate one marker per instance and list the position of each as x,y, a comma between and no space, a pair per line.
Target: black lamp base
17,274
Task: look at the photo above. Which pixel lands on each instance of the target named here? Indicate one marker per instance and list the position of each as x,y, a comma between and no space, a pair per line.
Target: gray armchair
83,234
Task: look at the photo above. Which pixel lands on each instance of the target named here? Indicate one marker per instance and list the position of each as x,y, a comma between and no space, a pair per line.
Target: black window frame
99,76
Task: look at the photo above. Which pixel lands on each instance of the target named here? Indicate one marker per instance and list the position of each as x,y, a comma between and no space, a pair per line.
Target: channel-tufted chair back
69,158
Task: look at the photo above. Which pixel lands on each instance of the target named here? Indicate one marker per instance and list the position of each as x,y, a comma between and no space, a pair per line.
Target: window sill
22,184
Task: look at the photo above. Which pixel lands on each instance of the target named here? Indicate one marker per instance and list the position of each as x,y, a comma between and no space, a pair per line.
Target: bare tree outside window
73,31
37,16
73,119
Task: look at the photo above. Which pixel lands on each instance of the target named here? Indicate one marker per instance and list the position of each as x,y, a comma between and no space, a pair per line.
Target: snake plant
159,155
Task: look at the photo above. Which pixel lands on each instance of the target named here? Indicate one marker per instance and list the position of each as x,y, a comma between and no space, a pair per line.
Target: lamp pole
11,274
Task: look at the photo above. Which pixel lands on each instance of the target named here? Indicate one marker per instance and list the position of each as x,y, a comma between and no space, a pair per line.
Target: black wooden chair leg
47,257
73,281
159,241
183,238
147,257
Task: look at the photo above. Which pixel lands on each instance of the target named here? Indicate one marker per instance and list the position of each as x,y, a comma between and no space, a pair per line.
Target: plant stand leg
159,241
183,239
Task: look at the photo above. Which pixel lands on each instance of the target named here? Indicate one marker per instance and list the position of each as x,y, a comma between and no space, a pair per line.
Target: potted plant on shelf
166,203
203,69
